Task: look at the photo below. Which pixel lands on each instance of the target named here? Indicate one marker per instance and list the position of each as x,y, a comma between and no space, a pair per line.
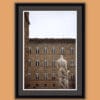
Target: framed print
50,50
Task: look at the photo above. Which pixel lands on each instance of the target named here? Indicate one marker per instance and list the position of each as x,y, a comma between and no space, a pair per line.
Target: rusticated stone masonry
26,46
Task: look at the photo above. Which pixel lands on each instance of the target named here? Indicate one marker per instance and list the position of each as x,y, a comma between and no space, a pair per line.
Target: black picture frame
80,8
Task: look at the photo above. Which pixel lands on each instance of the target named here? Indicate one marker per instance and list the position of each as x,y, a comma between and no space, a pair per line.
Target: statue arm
66,66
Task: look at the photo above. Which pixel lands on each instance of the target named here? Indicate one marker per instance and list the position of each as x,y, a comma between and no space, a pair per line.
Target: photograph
49,50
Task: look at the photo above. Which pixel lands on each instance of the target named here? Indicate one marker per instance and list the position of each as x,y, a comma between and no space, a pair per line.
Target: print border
19,7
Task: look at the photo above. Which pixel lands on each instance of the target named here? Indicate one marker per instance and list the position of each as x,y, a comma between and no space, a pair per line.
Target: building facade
40,60
26,48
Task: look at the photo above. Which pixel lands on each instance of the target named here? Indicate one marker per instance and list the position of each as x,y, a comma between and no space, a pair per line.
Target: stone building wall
26,46
69,54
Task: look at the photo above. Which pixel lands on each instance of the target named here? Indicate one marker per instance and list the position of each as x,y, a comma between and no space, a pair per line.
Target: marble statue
63,72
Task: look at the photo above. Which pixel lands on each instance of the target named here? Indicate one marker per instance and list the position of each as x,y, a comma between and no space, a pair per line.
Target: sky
53,24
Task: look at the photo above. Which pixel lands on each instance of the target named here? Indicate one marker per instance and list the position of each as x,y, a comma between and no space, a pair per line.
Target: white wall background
53,24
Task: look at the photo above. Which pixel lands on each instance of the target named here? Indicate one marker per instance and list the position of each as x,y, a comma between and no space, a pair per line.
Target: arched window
37,50
46,76
37,62
45,63
29,62
53,76
71,50
53,50
62,50
30,50
29,75
72,63
53,63
37,76
45,50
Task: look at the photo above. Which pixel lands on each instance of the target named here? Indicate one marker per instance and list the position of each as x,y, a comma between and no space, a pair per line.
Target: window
33,86
37,76
29,61
37,85
54,85
45,85
37,50
53,63
29,73
71,50
46,76
53,50
62,50
37,62
29,69
45,63
72,63
45,50
30,50
53,76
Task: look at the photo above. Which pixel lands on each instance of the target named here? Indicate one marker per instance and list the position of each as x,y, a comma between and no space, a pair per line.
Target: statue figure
62,72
